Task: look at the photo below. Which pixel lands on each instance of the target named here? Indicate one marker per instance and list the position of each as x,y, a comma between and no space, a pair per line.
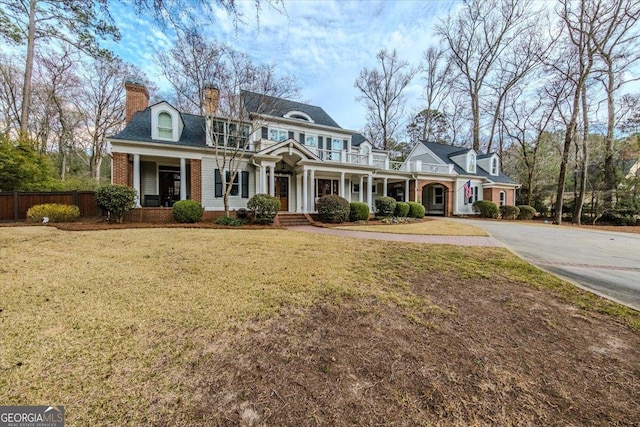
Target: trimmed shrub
416,210
509,212
116,199
264,208
187,211
385,206
402,209
55,212
526,212
358,211
333,208
487,208
234,222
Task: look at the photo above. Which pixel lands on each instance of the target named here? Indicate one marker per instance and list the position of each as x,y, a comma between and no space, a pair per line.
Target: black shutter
218,183
265,133
345,143
245,184
320,142
302,139
290,134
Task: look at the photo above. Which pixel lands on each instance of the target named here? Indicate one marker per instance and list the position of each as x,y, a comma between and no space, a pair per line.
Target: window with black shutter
320,144
302,140
345,144
265,132
236,183
245,184
290,134
218,183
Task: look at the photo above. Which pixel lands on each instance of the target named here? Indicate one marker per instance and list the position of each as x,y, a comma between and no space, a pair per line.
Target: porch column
136,177
183,179
361,188
415,191
263,179
312,204
305,195
406,190
384,192
349,186
342,184
370,191
272,181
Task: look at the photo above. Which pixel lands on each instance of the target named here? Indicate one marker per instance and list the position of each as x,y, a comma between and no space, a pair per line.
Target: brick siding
196,180
120,169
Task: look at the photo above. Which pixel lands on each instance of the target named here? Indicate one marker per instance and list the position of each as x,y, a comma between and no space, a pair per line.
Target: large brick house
295,152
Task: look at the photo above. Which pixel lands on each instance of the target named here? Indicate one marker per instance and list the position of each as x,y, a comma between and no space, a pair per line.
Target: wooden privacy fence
15,204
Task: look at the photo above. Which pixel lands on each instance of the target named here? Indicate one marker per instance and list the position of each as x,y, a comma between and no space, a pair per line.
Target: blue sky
323,43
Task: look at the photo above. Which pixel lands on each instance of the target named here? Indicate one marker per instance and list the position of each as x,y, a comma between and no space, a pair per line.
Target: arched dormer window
165,126
494,166
299,115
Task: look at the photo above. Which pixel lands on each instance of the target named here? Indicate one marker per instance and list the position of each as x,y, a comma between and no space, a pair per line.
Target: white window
438,195
503,198
311,140
278,135
471,166
227,134
165,126
494,166
336,148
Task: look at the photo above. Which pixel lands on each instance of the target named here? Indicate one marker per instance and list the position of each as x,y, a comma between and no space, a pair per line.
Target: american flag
467,189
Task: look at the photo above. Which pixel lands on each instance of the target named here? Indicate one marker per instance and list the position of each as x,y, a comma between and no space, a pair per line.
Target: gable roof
357,139
445,152
139,129
269,105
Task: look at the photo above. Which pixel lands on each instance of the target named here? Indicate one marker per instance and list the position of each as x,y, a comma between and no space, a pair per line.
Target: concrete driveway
607,263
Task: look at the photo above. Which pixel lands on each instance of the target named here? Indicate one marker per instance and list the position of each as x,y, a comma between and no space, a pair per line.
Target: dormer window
299,115
165,126
494,166
471,163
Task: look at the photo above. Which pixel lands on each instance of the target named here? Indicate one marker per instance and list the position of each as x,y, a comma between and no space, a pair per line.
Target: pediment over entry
290,147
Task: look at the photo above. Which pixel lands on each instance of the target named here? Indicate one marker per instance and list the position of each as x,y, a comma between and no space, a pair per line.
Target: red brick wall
121,171
137,99
449,193
493,194
196,180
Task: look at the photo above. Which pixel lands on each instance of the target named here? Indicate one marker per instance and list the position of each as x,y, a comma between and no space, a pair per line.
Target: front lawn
429,226
227,327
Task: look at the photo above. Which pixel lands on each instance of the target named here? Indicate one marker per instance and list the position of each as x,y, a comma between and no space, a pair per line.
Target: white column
406,190
183,179
384,192
342,185
360,195
370,191
305,195
136,177
263,179
272,180
349,186
312,204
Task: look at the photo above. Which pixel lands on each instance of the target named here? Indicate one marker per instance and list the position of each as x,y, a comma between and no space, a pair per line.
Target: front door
282,191
438,198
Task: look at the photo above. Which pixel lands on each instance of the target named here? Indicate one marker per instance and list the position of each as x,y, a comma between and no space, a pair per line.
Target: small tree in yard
117,200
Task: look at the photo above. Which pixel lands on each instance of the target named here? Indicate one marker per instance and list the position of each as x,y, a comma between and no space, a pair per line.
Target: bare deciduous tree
382,90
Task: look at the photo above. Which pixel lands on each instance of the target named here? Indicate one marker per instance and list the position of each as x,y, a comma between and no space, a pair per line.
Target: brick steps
292,219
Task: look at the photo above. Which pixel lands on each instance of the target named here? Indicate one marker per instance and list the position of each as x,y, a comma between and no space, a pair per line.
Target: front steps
292,219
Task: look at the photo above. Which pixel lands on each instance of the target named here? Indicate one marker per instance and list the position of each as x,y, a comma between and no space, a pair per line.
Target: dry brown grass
134,327
433,227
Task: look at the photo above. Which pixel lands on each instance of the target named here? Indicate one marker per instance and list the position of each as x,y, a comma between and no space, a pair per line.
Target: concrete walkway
411,238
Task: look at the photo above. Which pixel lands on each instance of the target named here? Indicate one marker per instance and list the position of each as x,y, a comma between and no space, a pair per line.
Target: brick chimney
211,100
137,99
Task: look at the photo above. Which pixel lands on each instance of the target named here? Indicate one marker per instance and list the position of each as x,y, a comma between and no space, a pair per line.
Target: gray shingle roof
139,129
357,139
445,152
278,107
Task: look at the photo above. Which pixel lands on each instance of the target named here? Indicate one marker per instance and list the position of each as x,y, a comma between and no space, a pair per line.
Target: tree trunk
28,70
579,202
475,110
609,172
562,177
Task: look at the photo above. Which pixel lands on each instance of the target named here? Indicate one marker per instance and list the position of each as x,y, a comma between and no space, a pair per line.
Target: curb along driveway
604,262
